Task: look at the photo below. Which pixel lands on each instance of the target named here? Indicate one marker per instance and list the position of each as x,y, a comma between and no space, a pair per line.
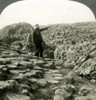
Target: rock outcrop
70,76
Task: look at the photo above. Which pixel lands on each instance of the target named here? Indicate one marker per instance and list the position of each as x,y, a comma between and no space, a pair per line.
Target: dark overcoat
37,38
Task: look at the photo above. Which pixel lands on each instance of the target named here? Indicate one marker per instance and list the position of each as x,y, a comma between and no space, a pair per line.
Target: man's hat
36,26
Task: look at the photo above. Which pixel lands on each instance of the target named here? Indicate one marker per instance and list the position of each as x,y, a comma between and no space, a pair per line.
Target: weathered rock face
3,46
70,53
17,45
60,52
31,78
61,94
87,65
13,96
91,97
49,53
26,77
15,32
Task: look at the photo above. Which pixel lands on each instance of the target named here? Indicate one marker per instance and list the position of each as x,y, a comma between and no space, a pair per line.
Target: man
37,40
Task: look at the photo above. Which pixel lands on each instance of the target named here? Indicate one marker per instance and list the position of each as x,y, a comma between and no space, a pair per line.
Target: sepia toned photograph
47,49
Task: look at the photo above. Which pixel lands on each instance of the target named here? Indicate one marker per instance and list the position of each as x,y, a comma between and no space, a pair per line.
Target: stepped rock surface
67,71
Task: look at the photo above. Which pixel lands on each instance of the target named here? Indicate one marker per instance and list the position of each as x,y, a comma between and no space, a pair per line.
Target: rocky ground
67,71
26,77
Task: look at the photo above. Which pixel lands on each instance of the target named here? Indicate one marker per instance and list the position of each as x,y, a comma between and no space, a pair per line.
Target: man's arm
43,29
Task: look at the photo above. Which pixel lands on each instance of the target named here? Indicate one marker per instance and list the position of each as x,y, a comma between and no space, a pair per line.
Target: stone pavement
26,77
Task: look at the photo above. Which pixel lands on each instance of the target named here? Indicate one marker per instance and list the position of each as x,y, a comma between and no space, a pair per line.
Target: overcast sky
90,3
45,12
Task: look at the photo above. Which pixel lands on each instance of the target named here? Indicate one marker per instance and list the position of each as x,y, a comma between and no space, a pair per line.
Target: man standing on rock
38,40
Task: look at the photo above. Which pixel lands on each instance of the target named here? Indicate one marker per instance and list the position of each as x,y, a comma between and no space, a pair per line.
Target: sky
45,12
